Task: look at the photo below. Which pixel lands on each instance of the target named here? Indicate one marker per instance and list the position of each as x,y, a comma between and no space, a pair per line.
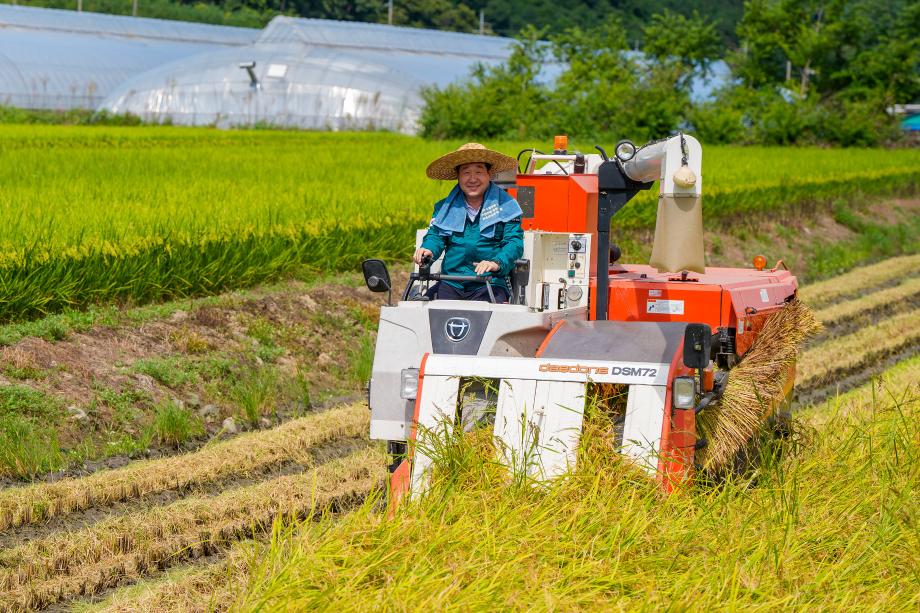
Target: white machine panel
517,442
539,412
642,426
558,410
436,417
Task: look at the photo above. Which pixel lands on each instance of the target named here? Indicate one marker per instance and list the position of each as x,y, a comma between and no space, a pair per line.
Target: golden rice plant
830,528
151,213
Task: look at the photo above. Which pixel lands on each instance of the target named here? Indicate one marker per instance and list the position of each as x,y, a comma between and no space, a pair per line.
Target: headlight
683,392
573,293
625,150
408,383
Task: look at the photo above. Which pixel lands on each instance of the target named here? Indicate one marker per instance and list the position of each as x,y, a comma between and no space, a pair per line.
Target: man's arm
511,248
434,243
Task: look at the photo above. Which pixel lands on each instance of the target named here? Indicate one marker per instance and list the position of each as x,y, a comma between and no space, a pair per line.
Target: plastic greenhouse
54,59
306,73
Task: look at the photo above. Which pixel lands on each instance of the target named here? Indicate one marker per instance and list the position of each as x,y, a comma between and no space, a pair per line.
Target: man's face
473,179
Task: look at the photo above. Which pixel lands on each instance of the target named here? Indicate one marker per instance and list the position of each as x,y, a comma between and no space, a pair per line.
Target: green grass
267,335
28,402
28,432
23,372
362,360
172,371
871,242
148,214
27,448
174,425
255,394
122,409
830,524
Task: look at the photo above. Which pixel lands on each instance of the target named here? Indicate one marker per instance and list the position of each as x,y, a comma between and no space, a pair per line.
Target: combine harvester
670,332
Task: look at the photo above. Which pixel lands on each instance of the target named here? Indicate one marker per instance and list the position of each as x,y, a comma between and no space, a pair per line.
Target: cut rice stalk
756,386
842,355
63,566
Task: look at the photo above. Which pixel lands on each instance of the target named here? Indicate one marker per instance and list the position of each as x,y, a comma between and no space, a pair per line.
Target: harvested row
243,455
819,295
65,566
904,295
208,587
840,356
889,389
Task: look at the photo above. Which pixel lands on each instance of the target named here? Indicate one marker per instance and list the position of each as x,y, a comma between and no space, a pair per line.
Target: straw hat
445,167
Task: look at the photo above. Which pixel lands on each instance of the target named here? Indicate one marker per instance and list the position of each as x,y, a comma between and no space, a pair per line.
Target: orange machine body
737,298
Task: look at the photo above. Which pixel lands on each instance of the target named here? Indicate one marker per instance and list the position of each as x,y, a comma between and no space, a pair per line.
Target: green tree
354,10
693,41
438,14
501,101
858,48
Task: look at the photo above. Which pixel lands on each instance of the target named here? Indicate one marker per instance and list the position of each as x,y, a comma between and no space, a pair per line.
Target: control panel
560,269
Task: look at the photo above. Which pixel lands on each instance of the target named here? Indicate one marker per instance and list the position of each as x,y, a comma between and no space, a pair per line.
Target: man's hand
419,254
486,266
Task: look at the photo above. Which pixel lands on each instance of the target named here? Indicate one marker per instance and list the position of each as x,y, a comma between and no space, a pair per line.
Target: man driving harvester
477,226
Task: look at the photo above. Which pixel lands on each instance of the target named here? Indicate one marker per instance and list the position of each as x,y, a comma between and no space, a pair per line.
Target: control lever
520,277
424,269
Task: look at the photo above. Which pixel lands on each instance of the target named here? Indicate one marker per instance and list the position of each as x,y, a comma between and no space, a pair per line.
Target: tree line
502,17
802,72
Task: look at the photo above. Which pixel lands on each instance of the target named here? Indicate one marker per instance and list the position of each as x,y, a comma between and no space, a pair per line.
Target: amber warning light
760,262
560,144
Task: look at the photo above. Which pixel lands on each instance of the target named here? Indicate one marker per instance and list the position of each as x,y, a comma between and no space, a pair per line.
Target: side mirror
697,341
376,275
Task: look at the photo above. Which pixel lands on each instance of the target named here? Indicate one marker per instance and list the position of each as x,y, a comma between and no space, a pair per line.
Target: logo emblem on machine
456,328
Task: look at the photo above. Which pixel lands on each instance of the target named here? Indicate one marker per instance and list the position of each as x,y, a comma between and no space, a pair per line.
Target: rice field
270,520
93,215
243,456
44,571
861,280
289,517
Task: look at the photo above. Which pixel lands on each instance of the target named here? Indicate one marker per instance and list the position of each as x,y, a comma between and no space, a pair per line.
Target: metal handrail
436,276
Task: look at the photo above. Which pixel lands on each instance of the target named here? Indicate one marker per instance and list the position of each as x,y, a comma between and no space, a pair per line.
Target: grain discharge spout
677,162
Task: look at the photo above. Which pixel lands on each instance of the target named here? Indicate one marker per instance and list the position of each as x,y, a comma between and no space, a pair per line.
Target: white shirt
470,211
